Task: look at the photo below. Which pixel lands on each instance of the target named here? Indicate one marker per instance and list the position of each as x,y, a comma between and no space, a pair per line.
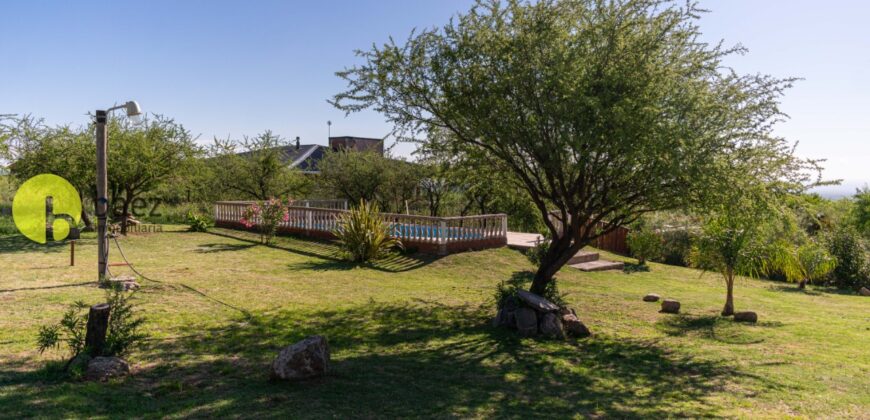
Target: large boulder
670,306
574,327
536,302
864,291
105,368
551,326
527,321
747,316
306,359
503,318
651,297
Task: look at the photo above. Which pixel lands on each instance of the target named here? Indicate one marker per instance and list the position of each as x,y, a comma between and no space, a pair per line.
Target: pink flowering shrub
266,218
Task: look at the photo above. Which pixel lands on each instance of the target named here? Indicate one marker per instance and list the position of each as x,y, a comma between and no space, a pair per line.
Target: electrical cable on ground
129,264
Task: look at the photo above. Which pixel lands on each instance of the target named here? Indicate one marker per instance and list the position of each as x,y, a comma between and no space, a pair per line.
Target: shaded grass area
415,359
410,337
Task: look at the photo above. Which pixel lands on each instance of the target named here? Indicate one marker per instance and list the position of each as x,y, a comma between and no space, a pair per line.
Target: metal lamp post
102,204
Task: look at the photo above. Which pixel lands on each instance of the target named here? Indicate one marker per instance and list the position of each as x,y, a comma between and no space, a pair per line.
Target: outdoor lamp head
133,109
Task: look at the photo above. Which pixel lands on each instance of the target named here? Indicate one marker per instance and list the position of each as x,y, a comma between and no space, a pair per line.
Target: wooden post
72,253
102,203
98,325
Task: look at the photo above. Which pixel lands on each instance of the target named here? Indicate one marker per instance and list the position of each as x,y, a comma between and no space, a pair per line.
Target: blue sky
233,68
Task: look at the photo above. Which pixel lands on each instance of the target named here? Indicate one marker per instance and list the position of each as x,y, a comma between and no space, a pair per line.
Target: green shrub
266,218
676,247
197,223
7,226
362,235
853,269
644,245
122,334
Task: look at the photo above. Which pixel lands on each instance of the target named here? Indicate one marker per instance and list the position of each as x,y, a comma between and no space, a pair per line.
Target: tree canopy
600,110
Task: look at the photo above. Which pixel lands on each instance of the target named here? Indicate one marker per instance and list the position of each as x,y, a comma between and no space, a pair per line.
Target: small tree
729,242
353,175
805,263
144,155
254,168
644,245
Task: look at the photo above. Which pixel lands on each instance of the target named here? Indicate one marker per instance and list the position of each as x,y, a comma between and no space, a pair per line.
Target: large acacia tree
602,110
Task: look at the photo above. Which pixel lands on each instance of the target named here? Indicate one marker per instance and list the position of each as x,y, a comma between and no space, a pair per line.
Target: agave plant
363,235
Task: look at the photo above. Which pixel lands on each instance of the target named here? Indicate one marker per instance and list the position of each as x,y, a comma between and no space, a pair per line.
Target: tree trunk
728,310
561,250
125,214
97,327
803,284
89,225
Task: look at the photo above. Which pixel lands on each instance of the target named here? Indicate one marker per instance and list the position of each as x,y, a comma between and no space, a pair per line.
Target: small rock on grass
746,316
574,327
864,291
306,359
651,297
670,306
105,368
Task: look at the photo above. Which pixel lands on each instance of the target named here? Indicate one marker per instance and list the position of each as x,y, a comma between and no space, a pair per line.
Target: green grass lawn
411,337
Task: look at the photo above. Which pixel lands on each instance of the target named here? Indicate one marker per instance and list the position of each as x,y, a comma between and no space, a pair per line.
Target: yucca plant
363,235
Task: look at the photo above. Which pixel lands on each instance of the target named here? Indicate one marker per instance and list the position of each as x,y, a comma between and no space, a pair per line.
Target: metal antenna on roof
328,129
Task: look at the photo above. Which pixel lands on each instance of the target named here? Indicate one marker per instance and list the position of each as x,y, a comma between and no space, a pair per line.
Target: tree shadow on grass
714,327
10,244
222,247
390,360
330,254
629,268
810,290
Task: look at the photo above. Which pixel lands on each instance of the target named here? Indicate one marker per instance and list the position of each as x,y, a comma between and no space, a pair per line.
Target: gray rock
105,368
504,318
567,311
527,322
864,291
305,359
747,316
574,327
536,302
551,326
651,297
670,306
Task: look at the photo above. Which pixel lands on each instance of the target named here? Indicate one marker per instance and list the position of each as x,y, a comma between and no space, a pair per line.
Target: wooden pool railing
441,235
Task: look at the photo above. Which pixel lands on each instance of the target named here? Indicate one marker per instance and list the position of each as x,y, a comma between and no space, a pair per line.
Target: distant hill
846,189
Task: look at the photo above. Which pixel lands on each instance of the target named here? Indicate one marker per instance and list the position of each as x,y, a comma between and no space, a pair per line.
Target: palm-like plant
806,263
363,235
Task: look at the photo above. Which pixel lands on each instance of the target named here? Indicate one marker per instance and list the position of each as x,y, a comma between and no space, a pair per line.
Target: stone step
599,265
583,256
